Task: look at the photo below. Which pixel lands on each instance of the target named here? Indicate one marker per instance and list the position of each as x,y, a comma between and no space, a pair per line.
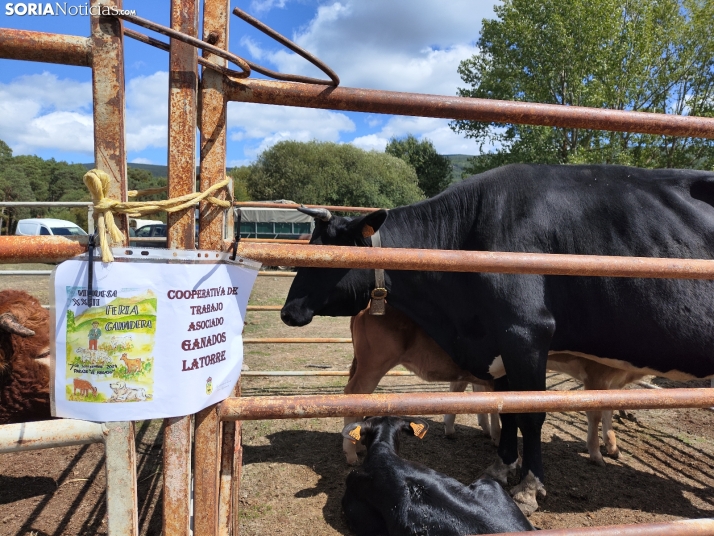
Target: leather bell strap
378,272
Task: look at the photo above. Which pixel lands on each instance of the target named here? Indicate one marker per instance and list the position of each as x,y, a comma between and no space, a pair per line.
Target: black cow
501,326
388,495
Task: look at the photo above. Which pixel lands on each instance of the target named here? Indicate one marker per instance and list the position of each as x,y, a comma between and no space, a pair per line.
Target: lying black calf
388,495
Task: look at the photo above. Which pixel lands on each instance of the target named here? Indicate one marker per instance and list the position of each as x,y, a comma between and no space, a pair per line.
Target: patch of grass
255,511
89,397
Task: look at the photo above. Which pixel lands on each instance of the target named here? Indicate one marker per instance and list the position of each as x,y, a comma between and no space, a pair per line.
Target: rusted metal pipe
262,373
685,527
331,208
108,97
256,307
475,261
45,47
48,434
417,104
120,465
299,340
15,249
40,248
309,406
276,240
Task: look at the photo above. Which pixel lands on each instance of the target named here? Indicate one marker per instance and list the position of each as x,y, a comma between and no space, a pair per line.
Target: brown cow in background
24,358
382,342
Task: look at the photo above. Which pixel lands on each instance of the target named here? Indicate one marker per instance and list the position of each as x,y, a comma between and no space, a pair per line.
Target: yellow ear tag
419,429
354,434
367,231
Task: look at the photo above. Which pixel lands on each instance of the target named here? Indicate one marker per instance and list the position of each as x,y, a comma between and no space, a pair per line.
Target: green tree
433,170
141,179
332,174
240,182
5,151
644,55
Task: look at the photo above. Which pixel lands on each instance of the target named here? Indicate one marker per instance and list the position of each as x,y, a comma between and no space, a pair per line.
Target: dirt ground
294,471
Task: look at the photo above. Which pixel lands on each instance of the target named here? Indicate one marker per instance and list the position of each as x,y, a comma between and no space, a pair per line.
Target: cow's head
332,291
24,329
384,430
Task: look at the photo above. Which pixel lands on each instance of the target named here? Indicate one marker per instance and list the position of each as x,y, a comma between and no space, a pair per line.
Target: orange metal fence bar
418,104
45,47
313,406
686,527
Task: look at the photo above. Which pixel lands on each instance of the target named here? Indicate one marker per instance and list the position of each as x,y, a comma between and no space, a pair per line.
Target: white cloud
42,111
147,111
260,126
266,5
141,161
403,45
436,130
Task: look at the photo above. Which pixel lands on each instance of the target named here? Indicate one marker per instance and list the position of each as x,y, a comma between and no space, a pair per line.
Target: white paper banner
161,336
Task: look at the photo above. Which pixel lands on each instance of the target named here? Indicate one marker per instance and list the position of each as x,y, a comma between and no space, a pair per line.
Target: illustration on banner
110,349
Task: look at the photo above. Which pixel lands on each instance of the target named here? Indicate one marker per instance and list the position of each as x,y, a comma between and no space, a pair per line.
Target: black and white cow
389,495
502,326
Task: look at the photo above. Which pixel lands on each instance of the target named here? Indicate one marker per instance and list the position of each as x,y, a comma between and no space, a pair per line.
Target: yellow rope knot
109,234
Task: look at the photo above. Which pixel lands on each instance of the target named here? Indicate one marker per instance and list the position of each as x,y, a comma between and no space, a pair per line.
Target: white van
48,227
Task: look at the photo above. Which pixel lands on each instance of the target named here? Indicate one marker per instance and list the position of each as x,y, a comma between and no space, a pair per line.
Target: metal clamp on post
90,268
234,245
379,293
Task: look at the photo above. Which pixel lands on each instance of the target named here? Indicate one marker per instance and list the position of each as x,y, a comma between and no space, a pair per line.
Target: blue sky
400,45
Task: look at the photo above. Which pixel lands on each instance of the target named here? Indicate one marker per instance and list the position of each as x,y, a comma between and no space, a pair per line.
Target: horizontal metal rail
418,104
473,261
54,249
49,434
45,47
331,208
276,240
26,272
685,527
264,273
311,406
260,373
296,340
38,204
264,307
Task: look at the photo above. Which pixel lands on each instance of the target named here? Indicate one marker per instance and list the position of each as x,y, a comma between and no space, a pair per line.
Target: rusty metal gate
215,431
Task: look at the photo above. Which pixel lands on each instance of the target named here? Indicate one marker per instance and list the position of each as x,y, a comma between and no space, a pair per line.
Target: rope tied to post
97,182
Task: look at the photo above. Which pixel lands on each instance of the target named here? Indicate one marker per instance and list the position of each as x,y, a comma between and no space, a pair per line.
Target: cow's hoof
615,454
500,471
597,460
525,494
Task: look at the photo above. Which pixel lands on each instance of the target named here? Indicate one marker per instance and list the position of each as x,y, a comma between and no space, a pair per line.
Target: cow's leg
525,346
593,440
492,426
363,380
507,461
608,435
449,429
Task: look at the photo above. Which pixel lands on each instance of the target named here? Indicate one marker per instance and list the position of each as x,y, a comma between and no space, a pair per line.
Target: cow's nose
286,317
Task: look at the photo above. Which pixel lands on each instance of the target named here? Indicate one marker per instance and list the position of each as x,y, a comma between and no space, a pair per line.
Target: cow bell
377,305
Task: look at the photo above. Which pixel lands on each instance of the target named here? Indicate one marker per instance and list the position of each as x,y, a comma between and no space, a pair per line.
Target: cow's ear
366,226
353,432
419,427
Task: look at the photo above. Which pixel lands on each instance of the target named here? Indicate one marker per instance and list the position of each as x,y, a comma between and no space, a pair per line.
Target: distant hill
156,171
458,163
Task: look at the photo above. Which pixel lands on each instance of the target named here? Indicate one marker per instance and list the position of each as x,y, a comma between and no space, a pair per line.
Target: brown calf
84,387
132,365
382,342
